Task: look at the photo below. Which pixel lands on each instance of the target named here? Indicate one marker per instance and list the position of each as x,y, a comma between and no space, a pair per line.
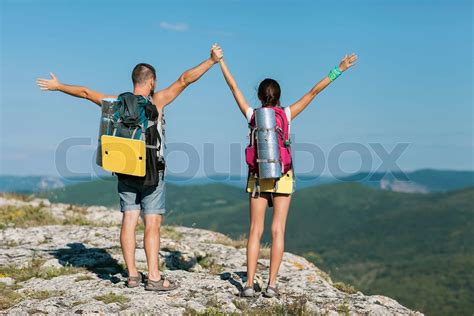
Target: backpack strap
280,133
115,126
252,135
281,113
256,187
153,146
268,160
135,131
263,129
151,123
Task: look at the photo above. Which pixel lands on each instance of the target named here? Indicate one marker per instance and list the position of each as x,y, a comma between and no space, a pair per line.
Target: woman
269,95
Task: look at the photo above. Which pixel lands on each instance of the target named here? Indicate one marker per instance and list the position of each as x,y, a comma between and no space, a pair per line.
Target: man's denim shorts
147,199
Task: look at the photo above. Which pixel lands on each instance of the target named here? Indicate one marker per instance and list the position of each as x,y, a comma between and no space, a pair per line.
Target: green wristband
334,73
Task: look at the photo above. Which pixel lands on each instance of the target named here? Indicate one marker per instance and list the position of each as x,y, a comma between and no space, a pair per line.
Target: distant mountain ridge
419,181
28,184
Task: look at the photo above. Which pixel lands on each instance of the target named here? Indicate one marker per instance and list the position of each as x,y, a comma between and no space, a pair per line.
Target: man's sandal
159,285
134,281
271,291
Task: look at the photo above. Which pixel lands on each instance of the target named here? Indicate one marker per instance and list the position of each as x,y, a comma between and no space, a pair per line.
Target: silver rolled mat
269,166
106,123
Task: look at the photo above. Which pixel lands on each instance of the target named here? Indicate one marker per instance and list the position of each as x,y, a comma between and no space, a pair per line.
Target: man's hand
48,84
347,62
216,53
53,84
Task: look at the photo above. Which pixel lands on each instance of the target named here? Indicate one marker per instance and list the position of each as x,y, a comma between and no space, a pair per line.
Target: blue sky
412,84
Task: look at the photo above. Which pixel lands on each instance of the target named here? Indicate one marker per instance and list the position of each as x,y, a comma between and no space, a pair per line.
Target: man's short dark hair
142,72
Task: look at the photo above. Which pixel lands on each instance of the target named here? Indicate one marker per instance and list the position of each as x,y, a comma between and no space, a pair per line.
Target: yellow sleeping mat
285,184
123,155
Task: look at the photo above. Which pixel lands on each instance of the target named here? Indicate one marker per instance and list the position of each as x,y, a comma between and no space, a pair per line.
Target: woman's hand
347,62
48,84
296,108
216,53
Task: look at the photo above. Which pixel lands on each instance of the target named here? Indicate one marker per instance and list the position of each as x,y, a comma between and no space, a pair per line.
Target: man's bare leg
151,243
128,241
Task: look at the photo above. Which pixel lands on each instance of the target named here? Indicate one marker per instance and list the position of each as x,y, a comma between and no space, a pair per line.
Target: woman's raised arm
297,107
238,96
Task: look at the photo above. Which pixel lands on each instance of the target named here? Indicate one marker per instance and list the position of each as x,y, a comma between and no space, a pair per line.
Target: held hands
216,53
48,84
347,62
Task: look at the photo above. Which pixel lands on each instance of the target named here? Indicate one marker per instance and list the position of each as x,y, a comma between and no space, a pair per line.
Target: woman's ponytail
269,92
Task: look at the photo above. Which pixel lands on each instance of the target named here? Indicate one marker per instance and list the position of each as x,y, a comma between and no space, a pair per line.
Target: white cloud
176,27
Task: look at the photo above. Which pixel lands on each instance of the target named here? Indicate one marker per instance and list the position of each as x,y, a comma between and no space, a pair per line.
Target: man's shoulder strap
124,95
130,96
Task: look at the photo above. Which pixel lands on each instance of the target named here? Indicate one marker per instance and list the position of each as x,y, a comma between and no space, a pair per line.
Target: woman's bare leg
281,204
257,218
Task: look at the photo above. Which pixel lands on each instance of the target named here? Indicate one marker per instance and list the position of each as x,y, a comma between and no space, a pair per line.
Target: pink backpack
283,142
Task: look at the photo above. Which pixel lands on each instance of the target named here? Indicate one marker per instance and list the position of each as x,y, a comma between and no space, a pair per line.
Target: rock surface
207,265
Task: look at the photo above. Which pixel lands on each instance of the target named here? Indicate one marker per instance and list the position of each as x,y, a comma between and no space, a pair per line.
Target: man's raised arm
166,96
53,84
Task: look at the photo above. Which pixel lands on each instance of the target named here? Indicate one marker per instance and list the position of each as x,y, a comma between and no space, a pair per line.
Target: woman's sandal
271,291
248,291
134,281
159,285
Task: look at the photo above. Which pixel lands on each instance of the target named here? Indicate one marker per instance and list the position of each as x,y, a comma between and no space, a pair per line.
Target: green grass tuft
210,264
34,269
112,298
29,216
341,286
8,296
171,232
291,306
343,309
240,242
25,216
83,278
42,295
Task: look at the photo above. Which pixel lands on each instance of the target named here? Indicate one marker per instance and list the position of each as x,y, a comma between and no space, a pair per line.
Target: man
134,196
